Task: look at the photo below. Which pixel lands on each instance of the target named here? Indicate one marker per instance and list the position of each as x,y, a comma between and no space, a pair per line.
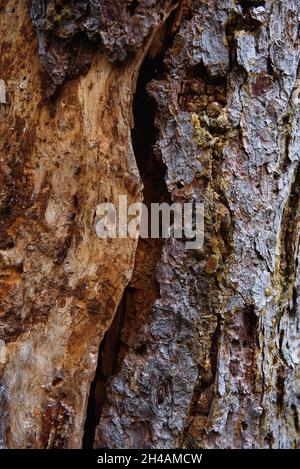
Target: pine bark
128,343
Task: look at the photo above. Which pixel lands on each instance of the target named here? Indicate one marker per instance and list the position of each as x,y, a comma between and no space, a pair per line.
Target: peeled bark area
192,100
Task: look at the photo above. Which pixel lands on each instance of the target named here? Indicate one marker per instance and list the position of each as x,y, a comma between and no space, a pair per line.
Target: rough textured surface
59,283
220,350
209,347
69,31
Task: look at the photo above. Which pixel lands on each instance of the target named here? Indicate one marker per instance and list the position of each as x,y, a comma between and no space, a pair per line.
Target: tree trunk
125,343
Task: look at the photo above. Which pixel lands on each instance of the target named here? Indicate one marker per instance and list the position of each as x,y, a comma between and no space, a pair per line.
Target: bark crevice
142,290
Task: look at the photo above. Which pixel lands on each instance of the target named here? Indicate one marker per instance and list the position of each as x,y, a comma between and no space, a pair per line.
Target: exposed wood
207,352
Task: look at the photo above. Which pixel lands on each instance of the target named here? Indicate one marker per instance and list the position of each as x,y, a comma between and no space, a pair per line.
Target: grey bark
222,342
210,351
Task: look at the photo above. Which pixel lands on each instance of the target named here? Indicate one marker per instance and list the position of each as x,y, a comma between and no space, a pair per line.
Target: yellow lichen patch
215,245
268,291
219,276
202,136
212,264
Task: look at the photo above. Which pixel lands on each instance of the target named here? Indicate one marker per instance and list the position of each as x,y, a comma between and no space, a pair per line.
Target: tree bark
122,343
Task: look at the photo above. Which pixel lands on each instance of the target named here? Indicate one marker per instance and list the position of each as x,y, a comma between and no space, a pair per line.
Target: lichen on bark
214,373
209,353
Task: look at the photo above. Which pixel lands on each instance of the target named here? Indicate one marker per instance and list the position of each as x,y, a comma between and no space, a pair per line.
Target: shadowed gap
140,294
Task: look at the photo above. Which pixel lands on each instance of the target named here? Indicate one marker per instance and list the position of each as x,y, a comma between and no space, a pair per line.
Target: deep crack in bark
142,291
